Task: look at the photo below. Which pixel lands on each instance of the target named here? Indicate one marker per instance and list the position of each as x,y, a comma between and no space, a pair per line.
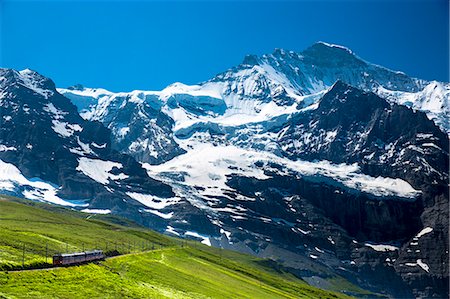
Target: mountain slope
260,89
320,160
162,272
48,152
354,151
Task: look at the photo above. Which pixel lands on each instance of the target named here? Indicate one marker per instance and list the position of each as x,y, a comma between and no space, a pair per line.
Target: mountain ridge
304,158
255,80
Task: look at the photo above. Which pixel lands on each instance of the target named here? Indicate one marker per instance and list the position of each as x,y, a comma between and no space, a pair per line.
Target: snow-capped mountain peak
27,78
317,157
321,43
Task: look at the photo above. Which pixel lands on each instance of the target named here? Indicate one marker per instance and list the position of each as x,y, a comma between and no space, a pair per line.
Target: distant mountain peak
78,87
28,78
321,44
251,60
341,85
330,55
342,93
312,153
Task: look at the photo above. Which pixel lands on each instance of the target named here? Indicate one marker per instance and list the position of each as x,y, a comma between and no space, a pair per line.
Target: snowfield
11,179
153,202
97,211
99,170
286,155
381,247
208,166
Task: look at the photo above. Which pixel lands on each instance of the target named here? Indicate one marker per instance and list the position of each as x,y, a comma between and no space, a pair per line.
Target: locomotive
77,258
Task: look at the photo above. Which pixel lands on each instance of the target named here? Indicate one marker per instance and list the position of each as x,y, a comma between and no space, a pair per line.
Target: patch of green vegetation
163,273
157,267
338,283
31,233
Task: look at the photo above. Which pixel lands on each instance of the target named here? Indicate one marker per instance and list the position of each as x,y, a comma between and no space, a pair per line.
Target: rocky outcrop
333,166
49,141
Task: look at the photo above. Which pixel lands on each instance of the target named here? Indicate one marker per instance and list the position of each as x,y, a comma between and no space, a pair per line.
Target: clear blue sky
123,45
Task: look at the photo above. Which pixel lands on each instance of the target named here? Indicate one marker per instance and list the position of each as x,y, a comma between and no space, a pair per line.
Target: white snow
75,127
99,170
61,127
96,211
11,179
244,91
381,247
159,214
151,201
123,131
205,239
57,113
429,144
434,100
424,231
208,90
423,265
335,46
31,80
84,148
4,148
208,166
305,232
227,233
171,230
419,263
98,146
330,136
241,107
65,129
88,92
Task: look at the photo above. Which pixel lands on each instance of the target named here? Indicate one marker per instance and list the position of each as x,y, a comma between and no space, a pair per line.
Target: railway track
85,263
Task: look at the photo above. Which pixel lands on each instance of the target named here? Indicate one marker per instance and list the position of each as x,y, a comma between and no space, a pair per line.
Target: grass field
162,273
167,271
31,231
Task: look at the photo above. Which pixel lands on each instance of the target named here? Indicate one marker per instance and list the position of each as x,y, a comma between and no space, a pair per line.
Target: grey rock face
49,141
333,166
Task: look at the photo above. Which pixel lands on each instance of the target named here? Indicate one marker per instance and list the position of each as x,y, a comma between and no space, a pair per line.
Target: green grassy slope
39,229
168,271
162,273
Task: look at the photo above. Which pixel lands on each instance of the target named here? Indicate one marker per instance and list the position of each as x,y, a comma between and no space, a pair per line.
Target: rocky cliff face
50,153
351,126
333,166
138,126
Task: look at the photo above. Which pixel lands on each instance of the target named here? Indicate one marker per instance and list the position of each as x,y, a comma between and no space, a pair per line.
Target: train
65,259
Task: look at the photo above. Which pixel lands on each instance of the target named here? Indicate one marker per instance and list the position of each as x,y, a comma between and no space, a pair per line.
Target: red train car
77,258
